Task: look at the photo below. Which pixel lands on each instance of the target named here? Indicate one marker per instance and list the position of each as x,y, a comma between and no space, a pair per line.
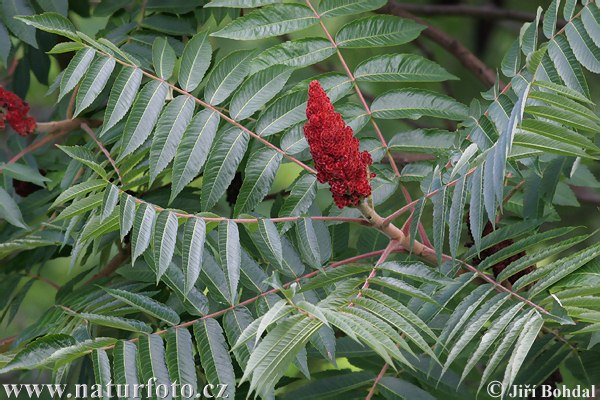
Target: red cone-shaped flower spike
335,150
15,111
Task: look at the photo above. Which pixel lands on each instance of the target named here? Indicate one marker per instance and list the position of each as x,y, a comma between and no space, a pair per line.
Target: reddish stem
90,132
376,381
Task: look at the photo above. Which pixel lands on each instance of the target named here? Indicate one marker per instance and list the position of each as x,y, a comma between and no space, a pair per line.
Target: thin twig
35,145
72,103
65,124
45,280
465,10
376,381
60,127
112,266
586,194
90,132
512,192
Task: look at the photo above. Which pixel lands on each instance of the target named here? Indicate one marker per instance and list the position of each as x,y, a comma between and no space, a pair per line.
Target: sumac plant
289,200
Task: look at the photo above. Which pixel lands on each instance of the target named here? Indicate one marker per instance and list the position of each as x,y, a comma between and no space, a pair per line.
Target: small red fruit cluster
335,150
15,111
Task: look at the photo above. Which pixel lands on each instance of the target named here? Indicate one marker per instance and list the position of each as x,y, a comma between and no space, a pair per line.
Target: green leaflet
569,9
81,206
338,8
36,353
423,141
393,388
565,103
491,335
227,76
142,230
523,345
86,157
163,58
240,3
473,326
125,367
194,61
401,68
71,353
308,242
163,245
214,279
557,132
49,21
111,198
567,66
214,354
151,361
590,17
417,103
286,340
258,178
180,359
121,96
584,48
511,63
377,31
283,112
225,156
257,90
273,20
564,116
101,366
193,149
300,199
549,22
529,34
79,189
459,198
94,228
126,214
143,116
5,44
195,302
557,270
439,201
24,173
9,210
125,324
11,9
270,237
230,253
95,79
169,130
75,70
295,53
194,233
342,384
548,145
